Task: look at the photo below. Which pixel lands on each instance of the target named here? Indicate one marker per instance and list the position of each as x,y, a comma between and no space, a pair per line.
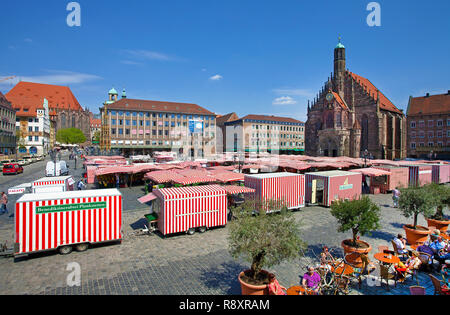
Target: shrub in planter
263,240
412,202
360,216
441,200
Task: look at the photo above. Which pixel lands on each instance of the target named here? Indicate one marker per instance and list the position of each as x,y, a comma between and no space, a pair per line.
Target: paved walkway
182,264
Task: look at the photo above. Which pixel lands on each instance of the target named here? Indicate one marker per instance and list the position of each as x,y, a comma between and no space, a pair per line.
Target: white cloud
284,100
129,62
56,77
28,40
296,92
149,55
216,77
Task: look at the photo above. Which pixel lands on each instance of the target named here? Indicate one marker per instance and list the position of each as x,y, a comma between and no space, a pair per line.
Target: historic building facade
7,127
65,110
429,126
351,117
264,134
143,127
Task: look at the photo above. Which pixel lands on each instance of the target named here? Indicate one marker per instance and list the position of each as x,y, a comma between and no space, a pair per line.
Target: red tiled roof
4,101
385,103
96,122
170,107
272,118
225,118
427,105
338,98
28,95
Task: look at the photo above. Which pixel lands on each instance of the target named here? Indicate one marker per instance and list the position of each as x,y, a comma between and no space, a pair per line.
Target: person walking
75,159
4,202
81,185
396,196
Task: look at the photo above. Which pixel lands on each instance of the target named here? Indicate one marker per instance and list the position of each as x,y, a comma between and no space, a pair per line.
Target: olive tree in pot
263,240
412,202
360,216
441,200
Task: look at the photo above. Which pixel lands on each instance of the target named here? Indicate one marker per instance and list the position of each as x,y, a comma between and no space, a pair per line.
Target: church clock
329,97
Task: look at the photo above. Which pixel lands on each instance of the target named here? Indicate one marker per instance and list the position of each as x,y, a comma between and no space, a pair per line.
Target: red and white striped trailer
441,173
398,178
53,184
420,175
288,188
323,188
185,209
67,219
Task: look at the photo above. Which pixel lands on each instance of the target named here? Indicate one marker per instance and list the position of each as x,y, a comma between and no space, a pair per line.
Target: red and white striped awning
161,177
234,190
371,171
194,180
147,198
226,177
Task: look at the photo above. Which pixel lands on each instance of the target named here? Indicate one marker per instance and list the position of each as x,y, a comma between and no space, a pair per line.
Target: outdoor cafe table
387,258
343,269
297,290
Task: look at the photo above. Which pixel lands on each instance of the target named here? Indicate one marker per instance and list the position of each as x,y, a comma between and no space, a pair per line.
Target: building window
120,122
413,145
134,123
440,123
421,144
154,132
430,123
448,122
421,134
421,124
120,131
430,134
439,134
127,122
413,124
141,123
30,129
127,131
113,122
36,138
430,144
36,128
113,131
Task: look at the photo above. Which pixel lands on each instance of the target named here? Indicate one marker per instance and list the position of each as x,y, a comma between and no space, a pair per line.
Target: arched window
63,120
339,119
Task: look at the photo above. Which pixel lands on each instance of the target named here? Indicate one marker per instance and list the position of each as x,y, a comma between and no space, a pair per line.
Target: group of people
436,247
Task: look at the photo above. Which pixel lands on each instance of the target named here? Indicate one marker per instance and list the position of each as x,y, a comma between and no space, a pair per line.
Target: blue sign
33,150
195,126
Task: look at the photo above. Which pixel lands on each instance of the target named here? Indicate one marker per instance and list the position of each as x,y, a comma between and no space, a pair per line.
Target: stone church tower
350,115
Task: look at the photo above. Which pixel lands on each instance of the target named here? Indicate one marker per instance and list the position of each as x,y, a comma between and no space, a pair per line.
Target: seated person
274,286
445,271
401,244
326,259
311,280
412,263
439,248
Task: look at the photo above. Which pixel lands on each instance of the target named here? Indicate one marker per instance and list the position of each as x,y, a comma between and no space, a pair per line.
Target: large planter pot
416,237
250,289
441,225
355,259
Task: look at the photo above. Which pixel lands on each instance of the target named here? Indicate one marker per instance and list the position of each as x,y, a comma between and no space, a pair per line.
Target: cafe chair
437,285
341,285
427,261
397,253
386,276
417,290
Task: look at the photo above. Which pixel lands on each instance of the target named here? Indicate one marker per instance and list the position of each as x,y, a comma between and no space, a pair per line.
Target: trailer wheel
65,250
191,231
82,247
202,229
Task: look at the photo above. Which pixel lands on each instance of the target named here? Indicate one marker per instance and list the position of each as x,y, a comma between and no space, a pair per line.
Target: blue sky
247,56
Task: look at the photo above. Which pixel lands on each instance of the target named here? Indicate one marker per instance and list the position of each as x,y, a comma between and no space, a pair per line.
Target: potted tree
360,216
412,202
263,240
441,199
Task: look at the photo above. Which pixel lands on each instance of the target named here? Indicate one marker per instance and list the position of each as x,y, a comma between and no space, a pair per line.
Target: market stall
374,179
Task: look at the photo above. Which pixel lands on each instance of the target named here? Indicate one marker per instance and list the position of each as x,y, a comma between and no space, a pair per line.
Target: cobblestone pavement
182,264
